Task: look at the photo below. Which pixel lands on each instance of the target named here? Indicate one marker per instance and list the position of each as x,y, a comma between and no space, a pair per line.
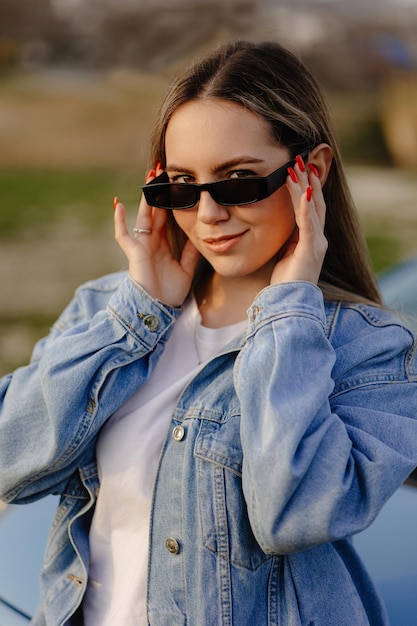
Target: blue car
399,289
23,535
388,547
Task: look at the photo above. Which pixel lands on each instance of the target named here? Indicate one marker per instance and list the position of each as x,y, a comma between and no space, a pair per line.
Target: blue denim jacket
284,446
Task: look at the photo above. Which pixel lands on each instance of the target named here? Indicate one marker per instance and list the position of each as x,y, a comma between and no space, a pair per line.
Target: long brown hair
273,83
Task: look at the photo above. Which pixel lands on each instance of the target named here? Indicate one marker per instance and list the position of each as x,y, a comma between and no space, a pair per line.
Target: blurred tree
31,29
14,22
146,38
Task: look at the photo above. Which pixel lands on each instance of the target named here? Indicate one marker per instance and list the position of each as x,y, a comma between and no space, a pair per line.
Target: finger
121,232
150,176
295,191
145,210
312,228
318,198
148,217
153,219
300,163
159,218
307,220
306,215
144,216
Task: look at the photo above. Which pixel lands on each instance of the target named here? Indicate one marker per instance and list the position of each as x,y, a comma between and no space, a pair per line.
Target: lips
223,242
222,238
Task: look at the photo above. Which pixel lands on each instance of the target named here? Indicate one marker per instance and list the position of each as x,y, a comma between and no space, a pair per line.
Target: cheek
279,218
287,219
283,207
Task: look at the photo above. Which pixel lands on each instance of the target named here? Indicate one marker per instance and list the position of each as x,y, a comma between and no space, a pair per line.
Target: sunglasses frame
267,185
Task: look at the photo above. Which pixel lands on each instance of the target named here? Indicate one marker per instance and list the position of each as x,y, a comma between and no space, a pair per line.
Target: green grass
383,249
32,198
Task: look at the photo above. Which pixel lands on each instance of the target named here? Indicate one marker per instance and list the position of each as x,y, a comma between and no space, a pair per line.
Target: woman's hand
150,260
305,251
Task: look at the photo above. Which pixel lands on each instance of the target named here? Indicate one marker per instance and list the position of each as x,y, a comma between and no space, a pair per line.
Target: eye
241,173
181,178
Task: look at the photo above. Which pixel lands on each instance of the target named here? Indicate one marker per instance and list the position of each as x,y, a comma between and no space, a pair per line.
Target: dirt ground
62,119
386,199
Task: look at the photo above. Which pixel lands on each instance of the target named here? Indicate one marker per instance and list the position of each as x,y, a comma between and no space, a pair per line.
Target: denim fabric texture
292,440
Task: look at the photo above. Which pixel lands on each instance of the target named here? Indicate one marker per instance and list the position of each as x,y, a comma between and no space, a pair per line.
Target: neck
224,301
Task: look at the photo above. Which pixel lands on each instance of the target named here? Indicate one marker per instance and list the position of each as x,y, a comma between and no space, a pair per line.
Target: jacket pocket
225,526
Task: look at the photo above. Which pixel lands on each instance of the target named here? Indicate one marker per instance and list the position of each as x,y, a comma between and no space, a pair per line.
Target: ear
321,157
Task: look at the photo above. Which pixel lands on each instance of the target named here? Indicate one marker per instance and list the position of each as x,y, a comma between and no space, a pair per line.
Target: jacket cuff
145,317
292,299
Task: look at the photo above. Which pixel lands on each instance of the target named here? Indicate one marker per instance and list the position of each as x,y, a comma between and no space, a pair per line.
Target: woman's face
209,140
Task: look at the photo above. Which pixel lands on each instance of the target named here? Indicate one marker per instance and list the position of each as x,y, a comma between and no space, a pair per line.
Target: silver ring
142,231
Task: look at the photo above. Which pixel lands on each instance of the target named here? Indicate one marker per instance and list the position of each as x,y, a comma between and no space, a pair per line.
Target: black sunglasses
162,194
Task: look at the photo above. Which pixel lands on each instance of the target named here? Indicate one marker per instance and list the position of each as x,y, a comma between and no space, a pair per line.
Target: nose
209,211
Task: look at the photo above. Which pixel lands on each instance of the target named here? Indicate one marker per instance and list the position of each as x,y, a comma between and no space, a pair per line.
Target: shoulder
372,339
89,298
105,284
362,315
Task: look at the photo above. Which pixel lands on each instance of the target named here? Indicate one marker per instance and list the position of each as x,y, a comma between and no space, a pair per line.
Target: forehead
217,127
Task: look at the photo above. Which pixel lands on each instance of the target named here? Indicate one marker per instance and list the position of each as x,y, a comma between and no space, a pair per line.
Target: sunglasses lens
171,196
182,196
236,191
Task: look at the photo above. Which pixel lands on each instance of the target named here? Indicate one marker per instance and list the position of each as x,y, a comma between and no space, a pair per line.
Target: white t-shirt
128,451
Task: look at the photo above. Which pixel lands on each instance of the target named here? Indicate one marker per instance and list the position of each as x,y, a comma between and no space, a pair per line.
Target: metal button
151,322
76,580
255,312
172,545
178,433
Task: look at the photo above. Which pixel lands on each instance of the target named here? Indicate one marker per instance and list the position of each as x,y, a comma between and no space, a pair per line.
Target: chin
228,271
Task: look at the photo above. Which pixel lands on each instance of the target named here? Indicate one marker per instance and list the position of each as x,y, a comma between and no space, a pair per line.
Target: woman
222,420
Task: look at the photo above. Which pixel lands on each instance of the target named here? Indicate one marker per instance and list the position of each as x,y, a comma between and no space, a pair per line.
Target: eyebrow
241,160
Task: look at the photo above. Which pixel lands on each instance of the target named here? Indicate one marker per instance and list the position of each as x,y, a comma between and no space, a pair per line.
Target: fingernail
300,163
313,169
292,174
115,201
309,193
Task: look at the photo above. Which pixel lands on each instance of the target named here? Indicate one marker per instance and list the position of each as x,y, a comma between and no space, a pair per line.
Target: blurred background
80,81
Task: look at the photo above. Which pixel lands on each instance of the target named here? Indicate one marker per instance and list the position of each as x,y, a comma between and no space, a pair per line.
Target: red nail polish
292,174
300,163
115,201
309,193
313,169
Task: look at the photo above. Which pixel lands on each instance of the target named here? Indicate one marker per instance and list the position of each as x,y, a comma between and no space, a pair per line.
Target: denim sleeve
101,350
328,427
